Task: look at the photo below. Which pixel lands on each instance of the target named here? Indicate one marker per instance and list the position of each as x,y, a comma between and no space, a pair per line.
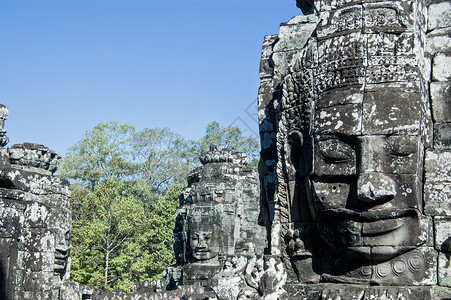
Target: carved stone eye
334,151
402,146
401,152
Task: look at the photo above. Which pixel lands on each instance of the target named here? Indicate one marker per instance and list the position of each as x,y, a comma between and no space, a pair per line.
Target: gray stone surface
439,15
441,101
437,186
440,67
219,234
3,116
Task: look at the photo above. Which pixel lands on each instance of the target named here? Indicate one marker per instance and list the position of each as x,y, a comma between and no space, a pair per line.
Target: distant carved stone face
62,252
204,237
366,178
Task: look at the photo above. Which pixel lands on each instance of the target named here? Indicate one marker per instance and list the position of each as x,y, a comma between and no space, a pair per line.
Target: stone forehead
203,215
380,110
340,97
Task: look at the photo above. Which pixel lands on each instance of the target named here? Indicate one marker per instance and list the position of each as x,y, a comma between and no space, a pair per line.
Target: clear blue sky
66,65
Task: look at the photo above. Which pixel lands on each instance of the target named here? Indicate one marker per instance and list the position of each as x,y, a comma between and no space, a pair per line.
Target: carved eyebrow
343,137
335,150
400,146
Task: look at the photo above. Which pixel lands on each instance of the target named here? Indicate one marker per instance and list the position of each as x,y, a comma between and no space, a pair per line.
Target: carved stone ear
446,246
293,152
306,6
296,137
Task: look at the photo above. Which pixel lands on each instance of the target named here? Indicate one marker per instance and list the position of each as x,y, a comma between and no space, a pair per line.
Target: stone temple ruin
353,195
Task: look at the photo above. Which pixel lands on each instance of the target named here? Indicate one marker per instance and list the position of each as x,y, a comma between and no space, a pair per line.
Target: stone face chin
376,254
365,239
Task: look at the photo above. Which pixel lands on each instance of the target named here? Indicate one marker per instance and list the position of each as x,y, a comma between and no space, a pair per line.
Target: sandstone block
437,187
442,135
439,15
444,270
441,67
442,231
438,41
441,101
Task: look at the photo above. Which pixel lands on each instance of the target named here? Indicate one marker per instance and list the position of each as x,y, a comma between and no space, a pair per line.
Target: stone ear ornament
446,246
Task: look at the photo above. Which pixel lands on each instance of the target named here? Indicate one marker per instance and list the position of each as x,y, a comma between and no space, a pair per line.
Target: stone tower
35,222
354,122
217,234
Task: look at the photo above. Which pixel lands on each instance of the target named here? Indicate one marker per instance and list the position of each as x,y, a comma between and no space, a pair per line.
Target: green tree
160,235
108,237
157,158
162,158
102,152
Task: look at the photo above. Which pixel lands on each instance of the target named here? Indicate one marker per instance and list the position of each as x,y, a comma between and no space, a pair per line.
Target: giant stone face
204,233
352,124
366,177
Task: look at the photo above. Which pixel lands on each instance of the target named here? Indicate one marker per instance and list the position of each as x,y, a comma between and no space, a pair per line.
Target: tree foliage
162,158
106,235
160,235
102,152
116,240
124,197
158,158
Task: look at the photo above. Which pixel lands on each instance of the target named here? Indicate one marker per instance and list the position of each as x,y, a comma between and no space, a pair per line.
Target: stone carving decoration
216,235
203,234
351,191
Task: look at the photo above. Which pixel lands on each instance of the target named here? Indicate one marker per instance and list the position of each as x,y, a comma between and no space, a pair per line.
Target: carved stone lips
373,223
382,226
203,250
344,214
370,216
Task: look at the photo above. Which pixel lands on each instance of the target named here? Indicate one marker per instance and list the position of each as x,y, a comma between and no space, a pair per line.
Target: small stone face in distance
203,233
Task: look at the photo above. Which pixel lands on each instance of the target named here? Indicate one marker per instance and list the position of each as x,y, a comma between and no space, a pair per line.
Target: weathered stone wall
437,186
354,124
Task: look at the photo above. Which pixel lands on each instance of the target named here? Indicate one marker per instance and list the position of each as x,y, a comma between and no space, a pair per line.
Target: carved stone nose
375,186
202,243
